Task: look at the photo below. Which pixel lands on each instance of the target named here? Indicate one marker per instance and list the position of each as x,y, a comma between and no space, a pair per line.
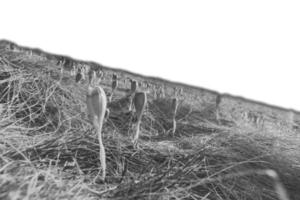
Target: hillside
240,149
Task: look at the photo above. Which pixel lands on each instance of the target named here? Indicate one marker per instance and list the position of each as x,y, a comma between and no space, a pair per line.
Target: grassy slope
48,149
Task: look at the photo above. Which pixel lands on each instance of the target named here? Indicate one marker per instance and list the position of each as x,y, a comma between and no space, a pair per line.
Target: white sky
245,48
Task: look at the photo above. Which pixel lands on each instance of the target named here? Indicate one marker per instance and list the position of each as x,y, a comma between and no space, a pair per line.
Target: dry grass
48,149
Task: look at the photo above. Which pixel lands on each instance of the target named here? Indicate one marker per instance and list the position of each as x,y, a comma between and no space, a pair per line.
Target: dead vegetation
48,149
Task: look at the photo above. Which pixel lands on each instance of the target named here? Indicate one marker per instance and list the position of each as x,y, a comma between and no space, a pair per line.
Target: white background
245,48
